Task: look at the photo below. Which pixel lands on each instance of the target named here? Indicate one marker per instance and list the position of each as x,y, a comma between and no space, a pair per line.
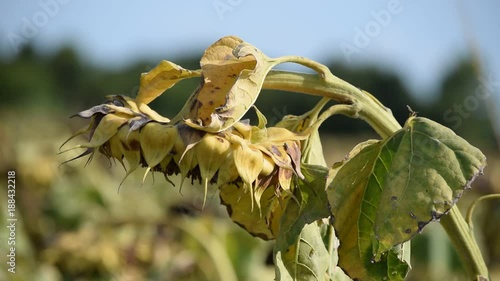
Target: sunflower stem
330,86
462,238
383,122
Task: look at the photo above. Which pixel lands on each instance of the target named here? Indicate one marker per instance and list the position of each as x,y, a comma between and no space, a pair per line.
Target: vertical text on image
11,221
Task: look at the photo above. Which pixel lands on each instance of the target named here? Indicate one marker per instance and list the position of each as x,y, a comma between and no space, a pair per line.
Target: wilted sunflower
253,167
249,164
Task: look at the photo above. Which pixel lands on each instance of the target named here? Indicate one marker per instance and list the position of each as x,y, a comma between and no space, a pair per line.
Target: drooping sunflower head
253,167
249,164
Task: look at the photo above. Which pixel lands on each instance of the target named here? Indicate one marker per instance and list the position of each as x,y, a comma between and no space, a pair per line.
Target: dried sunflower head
253,166
249,164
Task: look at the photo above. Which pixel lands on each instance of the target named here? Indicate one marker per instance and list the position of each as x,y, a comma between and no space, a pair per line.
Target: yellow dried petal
130,147
249,162
261,117
164,162
211,153
277,153
114,148
107,128
156,142
285,178
227,172
121,111
243,129
268,166
186,161
279,135
143,108
80,131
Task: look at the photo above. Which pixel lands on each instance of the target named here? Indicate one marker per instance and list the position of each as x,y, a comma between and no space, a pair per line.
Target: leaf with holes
390,189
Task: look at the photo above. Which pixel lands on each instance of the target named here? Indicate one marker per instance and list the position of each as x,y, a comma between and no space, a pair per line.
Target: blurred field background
75,223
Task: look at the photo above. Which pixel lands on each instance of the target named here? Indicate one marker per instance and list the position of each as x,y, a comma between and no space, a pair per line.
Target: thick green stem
381,119
462,238
368,108
468,218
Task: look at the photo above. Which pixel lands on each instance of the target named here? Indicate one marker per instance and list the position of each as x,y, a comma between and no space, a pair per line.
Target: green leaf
299,249
306,259
331,242
310,204
389,190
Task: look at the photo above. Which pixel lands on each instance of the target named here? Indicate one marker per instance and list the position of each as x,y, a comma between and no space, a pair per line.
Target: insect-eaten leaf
390,189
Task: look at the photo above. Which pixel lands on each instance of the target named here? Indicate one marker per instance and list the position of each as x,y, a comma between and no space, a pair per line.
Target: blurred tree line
63,83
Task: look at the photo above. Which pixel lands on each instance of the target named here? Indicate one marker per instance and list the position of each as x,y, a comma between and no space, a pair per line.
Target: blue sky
419,39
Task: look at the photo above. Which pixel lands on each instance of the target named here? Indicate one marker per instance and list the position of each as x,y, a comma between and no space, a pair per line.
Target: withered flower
252,166
242,161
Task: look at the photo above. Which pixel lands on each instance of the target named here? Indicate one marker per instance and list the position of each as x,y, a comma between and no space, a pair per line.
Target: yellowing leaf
263,223
220,69
161,78
233,73
389,190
